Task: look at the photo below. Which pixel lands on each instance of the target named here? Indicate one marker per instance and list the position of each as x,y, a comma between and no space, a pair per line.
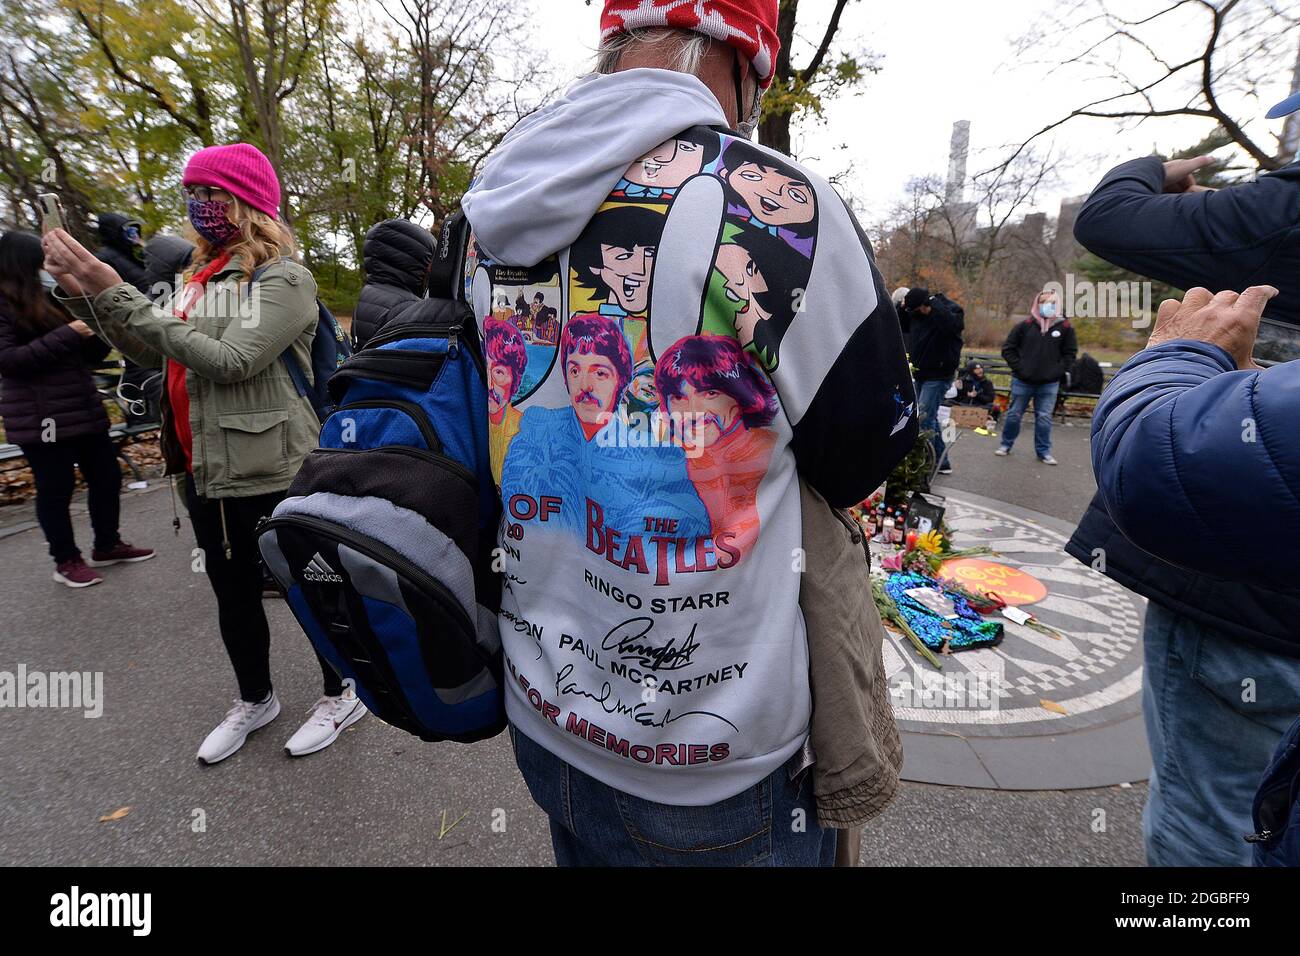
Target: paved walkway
378,796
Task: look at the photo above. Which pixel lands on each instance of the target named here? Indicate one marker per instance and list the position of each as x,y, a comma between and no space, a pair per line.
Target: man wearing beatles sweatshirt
723,330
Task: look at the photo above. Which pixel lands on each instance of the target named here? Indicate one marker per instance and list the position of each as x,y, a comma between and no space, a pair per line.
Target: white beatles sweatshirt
677,323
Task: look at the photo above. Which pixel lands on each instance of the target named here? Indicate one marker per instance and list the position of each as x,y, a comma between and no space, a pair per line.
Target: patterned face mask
211,222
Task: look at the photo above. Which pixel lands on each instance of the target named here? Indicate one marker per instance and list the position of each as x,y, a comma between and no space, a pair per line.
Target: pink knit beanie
240,169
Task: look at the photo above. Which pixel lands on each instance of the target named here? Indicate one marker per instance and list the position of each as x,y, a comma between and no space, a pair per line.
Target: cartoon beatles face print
615,258
772,197
661,172
612,268
764,258
706,408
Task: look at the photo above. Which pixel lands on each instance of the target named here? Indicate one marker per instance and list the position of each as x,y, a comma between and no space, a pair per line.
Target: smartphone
51,211
1278,342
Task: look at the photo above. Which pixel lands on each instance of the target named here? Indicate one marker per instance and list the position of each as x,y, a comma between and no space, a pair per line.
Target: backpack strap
290,363
445,281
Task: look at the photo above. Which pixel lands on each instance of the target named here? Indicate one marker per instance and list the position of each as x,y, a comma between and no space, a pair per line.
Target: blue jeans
929,396
595,825
1209,747
1044,397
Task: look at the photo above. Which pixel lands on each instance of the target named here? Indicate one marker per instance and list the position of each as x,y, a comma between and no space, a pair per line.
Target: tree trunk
774,130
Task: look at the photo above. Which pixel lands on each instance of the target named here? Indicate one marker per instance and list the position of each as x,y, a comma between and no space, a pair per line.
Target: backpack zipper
453,333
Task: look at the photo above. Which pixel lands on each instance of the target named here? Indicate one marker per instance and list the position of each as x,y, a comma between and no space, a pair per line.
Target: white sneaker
241,720
330,716
1003,451
1049,460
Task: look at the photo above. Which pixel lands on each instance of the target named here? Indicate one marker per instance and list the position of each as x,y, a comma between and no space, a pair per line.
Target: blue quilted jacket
1199,463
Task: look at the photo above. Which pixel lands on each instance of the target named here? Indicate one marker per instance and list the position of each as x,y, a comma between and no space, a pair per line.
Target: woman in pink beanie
235,429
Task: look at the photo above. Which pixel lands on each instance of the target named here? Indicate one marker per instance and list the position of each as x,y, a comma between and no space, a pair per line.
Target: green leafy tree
368,112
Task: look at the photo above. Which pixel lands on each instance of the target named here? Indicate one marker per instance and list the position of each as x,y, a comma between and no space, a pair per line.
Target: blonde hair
262,239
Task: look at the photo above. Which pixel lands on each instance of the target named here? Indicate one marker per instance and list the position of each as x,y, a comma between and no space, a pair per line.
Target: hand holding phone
51,210
74,267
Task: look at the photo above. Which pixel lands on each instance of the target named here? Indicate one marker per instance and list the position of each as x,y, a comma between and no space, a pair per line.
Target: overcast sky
943,60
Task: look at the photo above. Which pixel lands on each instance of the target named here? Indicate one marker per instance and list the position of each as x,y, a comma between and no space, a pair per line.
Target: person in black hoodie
936,340
397,255
1041,351
52,411
122,246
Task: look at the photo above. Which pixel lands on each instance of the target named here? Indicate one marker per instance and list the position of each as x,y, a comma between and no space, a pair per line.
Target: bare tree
908,249
475,75
1148,69
991,250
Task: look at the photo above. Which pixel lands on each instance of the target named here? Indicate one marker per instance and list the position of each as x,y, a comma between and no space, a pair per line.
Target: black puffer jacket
124,256
48,377
165,257
397,257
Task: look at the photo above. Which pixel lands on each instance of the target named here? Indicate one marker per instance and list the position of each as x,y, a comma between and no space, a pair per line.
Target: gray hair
690,48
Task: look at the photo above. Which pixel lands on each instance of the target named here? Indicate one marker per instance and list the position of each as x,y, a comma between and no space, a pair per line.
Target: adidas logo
318,571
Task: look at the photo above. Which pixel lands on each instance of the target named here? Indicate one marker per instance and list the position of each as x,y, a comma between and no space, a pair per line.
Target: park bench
121,435
994,366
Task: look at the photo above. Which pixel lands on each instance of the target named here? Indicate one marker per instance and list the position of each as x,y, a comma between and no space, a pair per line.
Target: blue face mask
1047,310
210,221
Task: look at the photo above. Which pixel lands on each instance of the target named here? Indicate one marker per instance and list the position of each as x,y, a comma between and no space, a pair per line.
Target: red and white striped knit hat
747,25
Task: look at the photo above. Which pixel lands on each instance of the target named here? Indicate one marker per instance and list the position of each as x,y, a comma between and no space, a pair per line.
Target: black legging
237,583
54,469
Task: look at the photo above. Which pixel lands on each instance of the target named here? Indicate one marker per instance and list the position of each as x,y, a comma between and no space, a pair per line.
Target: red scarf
177,396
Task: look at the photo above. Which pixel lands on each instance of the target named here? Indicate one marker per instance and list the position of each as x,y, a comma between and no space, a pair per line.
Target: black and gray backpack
384,545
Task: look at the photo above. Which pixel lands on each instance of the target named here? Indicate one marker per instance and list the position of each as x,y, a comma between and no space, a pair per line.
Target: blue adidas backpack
1277,806
384,544
329,349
